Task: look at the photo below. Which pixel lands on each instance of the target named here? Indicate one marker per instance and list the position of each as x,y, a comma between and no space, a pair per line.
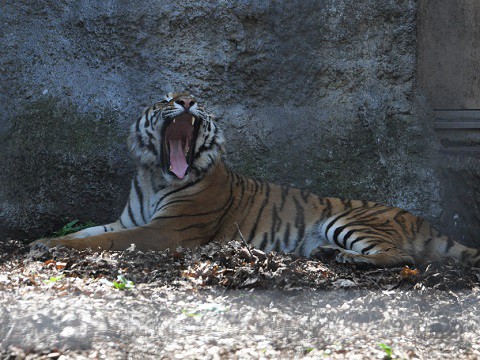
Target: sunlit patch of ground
230,301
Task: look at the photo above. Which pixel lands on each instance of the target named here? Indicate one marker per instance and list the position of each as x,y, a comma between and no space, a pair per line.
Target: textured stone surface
316,94
449,53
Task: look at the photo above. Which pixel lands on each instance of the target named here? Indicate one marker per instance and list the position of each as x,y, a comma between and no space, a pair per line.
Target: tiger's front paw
40,249
343,258
43,244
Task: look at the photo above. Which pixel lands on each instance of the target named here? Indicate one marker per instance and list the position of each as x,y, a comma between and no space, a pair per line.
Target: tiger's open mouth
178,143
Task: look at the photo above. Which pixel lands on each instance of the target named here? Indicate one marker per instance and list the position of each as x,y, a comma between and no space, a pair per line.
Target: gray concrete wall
449,53
316,94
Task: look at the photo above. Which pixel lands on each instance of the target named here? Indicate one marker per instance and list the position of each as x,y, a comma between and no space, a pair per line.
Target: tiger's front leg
91,231
157,235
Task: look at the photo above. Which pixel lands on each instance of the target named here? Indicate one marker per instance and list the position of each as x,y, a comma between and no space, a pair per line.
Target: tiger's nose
186,102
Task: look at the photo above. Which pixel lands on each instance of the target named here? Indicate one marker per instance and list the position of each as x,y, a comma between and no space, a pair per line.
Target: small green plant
72,227
53,279
388,350
309,349
121,284
191,313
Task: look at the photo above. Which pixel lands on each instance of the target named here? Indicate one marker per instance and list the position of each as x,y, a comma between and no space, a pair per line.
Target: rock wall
449,53
316,94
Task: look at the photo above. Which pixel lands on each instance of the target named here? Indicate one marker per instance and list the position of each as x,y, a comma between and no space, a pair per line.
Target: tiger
184,195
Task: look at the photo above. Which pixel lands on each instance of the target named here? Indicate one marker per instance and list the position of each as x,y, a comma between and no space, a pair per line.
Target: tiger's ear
168,97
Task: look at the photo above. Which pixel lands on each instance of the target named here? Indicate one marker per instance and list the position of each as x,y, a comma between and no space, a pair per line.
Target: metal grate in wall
458,132
457,119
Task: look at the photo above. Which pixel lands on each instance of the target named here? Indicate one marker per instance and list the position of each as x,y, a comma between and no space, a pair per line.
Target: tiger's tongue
177,159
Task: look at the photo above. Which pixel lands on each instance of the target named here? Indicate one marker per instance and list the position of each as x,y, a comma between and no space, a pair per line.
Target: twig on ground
243,239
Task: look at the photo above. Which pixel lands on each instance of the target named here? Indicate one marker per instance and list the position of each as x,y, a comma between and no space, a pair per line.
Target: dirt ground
230,302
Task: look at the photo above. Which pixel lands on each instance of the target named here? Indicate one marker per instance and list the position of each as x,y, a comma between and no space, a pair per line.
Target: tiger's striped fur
211,202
